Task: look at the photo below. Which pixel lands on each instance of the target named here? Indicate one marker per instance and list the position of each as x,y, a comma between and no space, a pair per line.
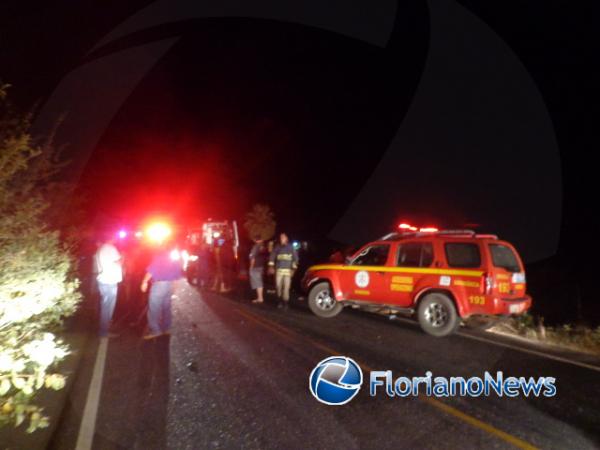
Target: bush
37,286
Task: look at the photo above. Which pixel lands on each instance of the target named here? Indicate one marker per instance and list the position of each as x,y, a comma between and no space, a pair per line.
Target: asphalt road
233,375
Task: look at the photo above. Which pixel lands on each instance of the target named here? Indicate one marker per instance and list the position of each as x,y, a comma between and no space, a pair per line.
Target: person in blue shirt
164,269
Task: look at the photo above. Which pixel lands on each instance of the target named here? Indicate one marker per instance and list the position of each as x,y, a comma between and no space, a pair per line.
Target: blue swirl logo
335,380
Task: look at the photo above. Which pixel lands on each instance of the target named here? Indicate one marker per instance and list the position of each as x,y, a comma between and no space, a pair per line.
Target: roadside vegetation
575,337
38,288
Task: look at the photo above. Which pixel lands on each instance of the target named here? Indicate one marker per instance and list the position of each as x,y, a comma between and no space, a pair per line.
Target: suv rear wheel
322,302
437,315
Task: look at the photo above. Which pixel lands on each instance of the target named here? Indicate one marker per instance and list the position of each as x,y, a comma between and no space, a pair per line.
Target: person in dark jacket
283,261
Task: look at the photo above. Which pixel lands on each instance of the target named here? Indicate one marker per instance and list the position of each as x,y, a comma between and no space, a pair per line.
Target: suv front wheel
437,315
322,302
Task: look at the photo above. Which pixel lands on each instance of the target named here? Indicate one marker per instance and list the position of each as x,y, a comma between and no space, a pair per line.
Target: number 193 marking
477,299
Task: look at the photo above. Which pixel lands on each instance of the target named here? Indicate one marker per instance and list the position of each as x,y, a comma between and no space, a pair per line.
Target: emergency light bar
408,227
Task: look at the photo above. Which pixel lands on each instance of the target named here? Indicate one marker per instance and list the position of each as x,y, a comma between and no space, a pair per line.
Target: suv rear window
374,255
503,256
462,254
415,254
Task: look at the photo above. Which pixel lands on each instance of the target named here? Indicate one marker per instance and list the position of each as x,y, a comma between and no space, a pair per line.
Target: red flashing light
408,227
158,232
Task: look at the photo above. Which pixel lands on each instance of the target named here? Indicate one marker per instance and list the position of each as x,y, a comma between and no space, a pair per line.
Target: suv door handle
381,272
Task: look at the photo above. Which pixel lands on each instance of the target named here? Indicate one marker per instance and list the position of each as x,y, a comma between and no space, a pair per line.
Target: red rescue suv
443,277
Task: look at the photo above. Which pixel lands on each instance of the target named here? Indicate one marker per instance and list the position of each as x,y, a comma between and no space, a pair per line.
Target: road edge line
87,428
540,353
532,352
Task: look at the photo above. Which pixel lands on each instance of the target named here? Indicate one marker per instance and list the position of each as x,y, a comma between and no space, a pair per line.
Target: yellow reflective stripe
361,292
464,273
474,284
401,287
402,280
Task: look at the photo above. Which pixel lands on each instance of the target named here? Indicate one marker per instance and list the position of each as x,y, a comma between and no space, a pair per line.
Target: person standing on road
256,269
109,275
203,266
283,261
164,269
219,260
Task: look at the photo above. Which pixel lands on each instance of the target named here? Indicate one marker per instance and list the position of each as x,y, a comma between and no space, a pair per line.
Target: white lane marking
519,349
534,352
87,428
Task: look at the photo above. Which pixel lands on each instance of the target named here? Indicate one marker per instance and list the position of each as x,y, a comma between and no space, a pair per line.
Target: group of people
282,262
158,281
163,270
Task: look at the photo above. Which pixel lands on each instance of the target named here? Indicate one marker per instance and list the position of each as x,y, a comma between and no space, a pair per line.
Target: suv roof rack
445,232
408,234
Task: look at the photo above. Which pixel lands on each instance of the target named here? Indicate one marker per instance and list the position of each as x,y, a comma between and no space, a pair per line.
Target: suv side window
503,256
462,254
415,254
374,255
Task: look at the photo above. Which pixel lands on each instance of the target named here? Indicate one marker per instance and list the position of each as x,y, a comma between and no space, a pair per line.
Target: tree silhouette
260,222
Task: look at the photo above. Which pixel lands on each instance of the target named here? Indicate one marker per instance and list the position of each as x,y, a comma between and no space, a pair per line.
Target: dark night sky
255,121
245,110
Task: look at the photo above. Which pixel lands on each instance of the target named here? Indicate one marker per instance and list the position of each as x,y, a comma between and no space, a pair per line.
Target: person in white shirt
109,275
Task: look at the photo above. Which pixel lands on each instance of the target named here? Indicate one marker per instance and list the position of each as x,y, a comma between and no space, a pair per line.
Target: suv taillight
489,283
518,277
